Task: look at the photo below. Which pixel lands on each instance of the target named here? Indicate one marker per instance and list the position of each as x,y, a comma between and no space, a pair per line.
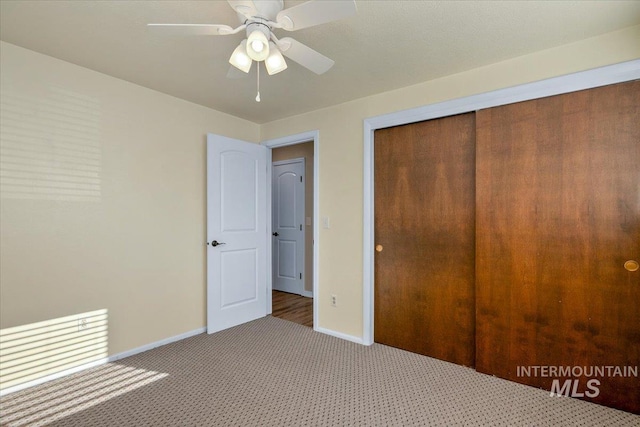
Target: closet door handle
216,243
276,234
631,265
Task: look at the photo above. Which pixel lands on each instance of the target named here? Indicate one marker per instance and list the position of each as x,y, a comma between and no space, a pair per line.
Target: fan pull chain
258,68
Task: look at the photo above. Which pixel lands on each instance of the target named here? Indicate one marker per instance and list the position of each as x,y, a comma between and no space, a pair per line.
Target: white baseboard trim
52,377
357,340
99,362
307,294
155,344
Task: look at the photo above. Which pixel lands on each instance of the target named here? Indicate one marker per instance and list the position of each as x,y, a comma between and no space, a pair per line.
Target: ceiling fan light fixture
240,59
257,45
275,61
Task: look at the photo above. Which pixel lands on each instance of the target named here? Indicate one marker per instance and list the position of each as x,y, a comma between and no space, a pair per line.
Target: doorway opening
292,232
294,213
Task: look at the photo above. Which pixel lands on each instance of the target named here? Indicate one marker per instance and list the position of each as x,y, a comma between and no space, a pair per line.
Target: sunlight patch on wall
50,146
32,352
74,394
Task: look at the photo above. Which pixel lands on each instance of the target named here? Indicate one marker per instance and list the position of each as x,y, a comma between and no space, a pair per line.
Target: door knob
379,248
276,234
216,243
631,265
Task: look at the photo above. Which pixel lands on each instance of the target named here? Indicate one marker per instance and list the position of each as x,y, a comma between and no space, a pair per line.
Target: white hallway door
236,232
288,225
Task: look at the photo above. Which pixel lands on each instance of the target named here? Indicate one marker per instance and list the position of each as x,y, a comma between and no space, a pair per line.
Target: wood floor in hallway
294,308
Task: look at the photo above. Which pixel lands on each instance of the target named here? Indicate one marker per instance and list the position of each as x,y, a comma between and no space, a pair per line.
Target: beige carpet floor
272,372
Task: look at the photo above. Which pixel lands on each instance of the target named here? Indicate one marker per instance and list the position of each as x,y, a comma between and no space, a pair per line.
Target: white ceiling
387,45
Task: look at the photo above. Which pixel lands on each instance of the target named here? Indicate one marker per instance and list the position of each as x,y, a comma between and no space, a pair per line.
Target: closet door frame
617,73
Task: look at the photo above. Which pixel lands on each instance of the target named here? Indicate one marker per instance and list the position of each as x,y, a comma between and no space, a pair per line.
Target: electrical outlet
83,324
334,300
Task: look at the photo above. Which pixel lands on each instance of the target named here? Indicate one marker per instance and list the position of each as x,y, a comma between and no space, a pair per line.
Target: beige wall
341,153
293,152
103,200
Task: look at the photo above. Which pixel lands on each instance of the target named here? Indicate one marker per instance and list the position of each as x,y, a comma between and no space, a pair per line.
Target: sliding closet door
558,216
424,236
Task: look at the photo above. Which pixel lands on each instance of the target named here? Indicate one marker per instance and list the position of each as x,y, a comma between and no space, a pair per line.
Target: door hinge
300,227
300,275
300,178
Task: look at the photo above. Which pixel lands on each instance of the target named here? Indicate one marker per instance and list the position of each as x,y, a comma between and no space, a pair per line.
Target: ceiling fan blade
195,29
304,55
315,12
247,8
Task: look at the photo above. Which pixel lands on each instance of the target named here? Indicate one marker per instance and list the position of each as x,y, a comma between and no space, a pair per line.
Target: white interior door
236,232
288,225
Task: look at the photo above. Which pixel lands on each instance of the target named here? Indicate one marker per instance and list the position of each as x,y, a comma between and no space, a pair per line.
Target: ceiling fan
260,17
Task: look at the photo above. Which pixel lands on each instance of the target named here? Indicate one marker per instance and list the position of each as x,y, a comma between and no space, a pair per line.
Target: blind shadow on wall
50,146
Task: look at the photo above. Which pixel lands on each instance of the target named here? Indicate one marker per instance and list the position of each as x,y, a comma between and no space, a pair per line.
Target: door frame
302,160
312,135
617,73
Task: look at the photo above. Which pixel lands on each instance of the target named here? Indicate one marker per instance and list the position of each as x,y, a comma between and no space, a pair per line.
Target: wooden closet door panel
424,221
558,214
